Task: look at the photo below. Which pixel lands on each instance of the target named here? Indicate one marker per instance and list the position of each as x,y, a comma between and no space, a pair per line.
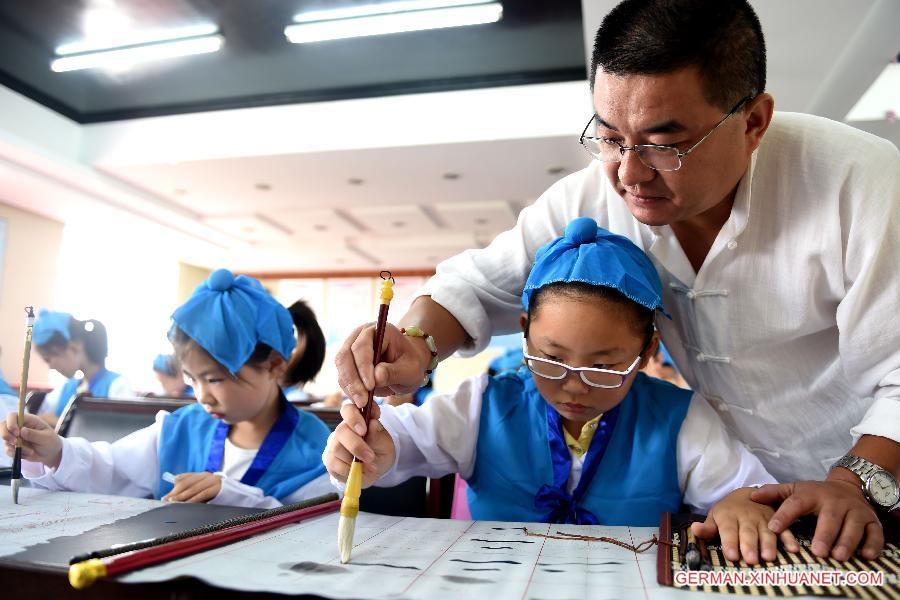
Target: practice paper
396,557
41,515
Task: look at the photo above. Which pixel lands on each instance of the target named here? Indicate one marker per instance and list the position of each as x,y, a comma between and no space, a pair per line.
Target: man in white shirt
776,239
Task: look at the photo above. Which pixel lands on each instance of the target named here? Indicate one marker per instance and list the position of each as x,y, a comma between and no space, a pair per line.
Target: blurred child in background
77,350
168,372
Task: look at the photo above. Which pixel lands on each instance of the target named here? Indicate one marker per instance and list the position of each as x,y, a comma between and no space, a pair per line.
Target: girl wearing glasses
578,435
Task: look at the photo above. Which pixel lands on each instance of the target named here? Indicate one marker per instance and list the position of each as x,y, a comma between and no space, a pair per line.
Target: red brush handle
177,549
377,352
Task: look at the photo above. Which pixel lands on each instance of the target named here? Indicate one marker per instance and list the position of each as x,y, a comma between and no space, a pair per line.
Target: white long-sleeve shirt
8,404
441,436
130,467
789,327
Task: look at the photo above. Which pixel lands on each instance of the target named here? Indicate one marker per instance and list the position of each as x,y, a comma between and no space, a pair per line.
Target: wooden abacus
670,561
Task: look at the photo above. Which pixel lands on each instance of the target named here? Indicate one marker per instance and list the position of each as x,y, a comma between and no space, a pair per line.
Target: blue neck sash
275,440
98,386
562,506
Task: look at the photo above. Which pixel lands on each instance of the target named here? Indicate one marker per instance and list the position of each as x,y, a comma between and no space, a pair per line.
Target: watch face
883,489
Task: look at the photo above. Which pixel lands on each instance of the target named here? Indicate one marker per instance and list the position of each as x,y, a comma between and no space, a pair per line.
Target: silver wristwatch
878,485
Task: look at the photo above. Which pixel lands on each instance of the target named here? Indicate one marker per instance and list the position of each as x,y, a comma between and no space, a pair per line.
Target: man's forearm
438,322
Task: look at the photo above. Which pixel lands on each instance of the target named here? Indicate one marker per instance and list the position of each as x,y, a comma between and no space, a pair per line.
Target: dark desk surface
41,570
33,583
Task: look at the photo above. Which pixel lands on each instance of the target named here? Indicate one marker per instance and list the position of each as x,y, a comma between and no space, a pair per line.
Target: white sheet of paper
429,559
42,515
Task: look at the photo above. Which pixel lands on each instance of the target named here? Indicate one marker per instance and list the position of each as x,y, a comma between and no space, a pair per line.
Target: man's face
670,109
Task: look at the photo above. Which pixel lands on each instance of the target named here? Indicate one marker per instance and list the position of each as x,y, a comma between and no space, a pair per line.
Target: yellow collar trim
581,445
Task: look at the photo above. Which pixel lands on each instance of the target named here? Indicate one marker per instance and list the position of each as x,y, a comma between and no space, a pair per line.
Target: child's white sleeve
438,437
711,461
51,400
8,404
235,493
120,388
127,467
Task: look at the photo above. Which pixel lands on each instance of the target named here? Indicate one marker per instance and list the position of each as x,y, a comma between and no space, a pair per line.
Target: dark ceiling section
536,41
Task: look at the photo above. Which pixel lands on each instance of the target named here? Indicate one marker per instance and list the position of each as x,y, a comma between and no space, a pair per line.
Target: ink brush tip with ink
353,490
23,389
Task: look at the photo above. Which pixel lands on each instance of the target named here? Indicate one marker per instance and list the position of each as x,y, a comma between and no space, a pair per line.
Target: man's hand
402,367
845,519
742,526
194,487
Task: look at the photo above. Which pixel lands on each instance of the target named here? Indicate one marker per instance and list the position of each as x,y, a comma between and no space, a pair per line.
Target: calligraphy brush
23,389
350,503
143,554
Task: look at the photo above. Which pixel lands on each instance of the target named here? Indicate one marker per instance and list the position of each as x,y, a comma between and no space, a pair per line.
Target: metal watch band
860,466
865,470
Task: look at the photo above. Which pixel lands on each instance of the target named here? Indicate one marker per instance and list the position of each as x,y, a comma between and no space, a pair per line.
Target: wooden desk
36,583
41,570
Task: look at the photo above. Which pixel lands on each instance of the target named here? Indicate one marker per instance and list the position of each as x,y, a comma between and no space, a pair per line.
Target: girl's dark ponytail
92,334
303,366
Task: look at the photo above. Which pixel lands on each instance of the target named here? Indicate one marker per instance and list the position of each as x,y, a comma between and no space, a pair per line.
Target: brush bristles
15,490
349,510
346,529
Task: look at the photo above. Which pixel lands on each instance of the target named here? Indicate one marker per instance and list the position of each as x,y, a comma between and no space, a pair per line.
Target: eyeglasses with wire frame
654,156
599,378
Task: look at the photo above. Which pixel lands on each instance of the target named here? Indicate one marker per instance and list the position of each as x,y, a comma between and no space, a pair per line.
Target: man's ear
651,350
523,320
759,115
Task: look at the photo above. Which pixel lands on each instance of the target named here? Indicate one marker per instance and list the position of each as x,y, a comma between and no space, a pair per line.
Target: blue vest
98,386
187,436
637,477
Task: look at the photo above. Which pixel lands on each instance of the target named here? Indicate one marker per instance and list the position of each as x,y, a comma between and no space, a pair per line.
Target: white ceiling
399,182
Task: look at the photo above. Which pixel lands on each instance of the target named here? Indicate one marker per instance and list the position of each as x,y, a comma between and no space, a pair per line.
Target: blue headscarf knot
228,316
48,323
590,254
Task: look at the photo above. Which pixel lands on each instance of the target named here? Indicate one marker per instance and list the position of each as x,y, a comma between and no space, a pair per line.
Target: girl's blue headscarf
228,316
163,363
590,254
49,322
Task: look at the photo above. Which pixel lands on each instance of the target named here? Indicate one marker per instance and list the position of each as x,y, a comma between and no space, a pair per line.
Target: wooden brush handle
377,352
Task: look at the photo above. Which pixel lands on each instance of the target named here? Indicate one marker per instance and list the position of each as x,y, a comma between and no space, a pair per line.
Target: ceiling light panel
135,37
387,220
349,12
309,31
307,222
125,58
250,228
481,216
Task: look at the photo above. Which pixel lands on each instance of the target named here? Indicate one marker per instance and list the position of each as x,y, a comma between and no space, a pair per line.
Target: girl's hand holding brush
40,443
351,438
